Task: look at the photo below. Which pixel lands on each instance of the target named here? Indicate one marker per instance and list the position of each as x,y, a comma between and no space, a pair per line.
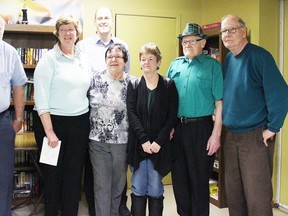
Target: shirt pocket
204,79
4,80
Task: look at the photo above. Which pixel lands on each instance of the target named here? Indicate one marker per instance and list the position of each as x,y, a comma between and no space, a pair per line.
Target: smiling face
103,21
115,60
192,46
67,34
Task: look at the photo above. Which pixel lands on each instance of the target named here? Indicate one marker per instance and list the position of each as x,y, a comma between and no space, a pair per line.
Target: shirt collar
100,42
199,58
59,52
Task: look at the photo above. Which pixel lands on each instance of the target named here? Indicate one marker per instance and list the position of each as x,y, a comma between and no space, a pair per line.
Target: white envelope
48,154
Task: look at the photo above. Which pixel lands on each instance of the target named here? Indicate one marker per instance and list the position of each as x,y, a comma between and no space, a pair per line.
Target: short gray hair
240,21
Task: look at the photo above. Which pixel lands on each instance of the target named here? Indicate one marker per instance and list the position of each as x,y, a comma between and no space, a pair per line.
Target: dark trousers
192,168
62,182
89,184
248,172
7,137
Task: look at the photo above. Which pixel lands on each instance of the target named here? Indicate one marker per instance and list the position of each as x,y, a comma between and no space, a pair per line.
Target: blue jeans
146,181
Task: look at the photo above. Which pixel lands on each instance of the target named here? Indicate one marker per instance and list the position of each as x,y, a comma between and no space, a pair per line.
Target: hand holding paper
48,154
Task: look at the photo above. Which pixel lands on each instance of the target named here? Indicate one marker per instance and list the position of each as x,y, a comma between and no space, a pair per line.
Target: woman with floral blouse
109,131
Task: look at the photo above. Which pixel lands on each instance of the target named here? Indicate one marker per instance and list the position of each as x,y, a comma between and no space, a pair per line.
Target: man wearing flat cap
199,82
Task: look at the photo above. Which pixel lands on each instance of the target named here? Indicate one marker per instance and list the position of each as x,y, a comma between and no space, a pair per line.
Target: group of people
106,119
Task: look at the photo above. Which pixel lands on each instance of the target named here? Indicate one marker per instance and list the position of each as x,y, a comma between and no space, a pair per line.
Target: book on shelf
29,91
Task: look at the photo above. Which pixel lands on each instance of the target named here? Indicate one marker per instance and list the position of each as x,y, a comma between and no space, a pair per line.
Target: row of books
23,159
27,123
29,90
30,56
26,184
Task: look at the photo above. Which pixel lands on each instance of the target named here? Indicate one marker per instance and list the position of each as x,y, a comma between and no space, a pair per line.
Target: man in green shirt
199,82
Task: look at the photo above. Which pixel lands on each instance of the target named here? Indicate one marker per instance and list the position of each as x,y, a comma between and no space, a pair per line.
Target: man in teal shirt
199,82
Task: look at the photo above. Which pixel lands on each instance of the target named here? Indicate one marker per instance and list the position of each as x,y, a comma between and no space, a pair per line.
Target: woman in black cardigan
152,102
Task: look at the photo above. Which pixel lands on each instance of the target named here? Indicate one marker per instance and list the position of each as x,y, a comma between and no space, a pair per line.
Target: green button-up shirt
199,83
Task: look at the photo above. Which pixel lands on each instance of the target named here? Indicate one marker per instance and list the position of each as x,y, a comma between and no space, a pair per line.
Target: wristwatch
19,119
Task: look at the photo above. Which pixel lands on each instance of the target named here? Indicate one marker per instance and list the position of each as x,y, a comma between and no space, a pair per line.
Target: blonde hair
67,19
150,48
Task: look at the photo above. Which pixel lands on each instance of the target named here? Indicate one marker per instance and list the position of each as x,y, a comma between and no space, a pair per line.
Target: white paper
48,154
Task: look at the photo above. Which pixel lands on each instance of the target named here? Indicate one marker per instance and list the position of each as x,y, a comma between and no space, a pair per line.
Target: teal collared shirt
199,83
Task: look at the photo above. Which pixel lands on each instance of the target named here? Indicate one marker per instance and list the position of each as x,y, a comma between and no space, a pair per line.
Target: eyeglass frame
64,31
231,30
115,57
190,42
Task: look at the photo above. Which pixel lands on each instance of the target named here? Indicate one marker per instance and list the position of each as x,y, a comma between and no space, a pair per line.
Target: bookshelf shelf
29,66
29,29
30,41
214,43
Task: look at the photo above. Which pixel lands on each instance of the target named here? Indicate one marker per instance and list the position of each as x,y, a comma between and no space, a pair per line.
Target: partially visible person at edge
199,82
95,47
255,103
12,77
61,82
109,131
152,102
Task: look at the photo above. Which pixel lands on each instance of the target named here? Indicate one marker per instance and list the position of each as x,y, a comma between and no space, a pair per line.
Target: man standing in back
95,48
96,45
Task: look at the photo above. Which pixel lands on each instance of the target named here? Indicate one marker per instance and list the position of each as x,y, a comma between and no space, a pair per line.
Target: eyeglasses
62,31
191,42
230,30
115,57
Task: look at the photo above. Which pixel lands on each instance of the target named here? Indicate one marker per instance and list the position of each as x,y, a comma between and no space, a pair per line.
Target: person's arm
275,91
43,76
19,103
48,128
214,140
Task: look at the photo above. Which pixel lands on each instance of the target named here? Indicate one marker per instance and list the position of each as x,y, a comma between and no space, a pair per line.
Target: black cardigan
164,117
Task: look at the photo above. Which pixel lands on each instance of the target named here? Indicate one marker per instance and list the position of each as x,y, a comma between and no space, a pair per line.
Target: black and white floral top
108,113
